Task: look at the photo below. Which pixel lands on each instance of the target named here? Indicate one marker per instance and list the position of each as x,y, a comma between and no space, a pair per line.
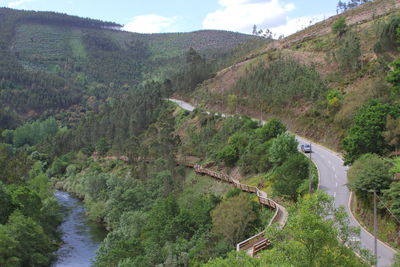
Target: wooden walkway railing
258,242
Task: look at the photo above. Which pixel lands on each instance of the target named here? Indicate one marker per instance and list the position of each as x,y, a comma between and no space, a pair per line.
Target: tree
102,146
392,197
310,236
255,30
282,147
349,52
389,37
340,7
239,141
35,132
231,218
192,57
396,168
393,77
290,175
271,129
339,26
28,244
369,173
392,133
228,154
6,204
366,136
25,200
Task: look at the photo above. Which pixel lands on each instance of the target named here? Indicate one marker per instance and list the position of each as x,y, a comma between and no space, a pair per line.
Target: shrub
282,147
229,155
349,52
271,129
393,77
388,38
369,173
334,98
392,196
102,146
291,175
231,219
339,26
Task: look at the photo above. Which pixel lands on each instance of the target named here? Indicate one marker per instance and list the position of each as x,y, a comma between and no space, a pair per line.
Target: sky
155,16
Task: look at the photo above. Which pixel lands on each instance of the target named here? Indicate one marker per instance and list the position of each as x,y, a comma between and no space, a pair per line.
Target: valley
181,149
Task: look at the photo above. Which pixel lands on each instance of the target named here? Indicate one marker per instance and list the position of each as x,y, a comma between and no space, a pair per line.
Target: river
81,237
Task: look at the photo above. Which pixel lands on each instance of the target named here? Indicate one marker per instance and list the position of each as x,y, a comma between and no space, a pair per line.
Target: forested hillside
52,62
336,82
318,78
71,88
83,109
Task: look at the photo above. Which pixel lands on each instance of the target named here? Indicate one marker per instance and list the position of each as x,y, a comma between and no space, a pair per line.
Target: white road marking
384,258
336,176
336,184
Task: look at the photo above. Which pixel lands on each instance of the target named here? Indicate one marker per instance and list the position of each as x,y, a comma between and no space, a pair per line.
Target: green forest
84,109
52,63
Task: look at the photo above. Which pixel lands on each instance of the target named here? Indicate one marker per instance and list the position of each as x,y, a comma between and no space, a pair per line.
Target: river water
81,237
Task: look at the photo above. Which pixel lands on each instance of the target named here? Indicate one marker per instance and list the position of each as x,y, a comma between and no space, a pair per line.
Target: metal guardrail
257,242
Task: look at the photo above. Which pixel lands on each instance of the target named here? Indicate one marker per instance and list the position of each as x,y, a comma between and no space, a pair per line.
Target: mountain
315,80
51,62
82,109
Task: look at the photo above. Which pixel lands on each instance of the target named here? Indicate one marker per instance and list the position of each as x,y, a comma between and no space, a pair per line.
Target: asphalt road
333,180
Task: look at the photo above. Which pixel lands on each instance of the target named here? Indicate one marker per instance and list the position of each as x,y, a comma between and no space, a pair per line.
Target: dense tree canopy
366,136
368,174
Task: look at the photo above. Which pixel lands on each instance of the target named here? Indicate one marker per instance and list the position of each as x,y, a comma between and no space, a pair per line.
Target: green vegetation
366,136
153,216
281,82
309,239
282,147
369,174
392,196
388,36
290,176
394,77
197,70
29,214
58,62
339,26
31,133
266,150
234,219
349,52
103,133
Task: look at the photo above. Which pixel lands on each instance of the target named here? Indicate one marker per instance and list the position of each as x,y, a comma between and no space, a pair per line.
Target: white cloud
241,15
293,25
151,23
17,3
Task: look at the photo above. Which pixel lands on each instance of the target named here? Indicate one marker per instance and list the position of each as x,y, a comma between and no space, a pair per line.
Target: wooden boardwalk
258,242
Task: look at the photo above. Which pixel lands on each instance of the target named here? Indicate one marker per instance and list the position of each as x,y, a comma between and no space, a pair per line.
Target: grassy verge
388,230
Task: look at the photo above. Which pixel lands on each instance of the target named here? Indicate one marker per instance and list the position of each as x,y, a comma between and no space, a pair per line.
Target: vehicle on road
306,148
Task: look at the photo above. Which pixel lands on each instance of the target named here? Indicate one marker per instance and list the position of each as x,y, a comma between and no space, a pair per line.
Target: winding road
333,180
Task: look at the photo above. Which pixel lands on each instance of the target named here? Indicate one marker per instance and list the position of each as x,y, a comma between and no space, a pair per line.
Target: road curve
333,180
